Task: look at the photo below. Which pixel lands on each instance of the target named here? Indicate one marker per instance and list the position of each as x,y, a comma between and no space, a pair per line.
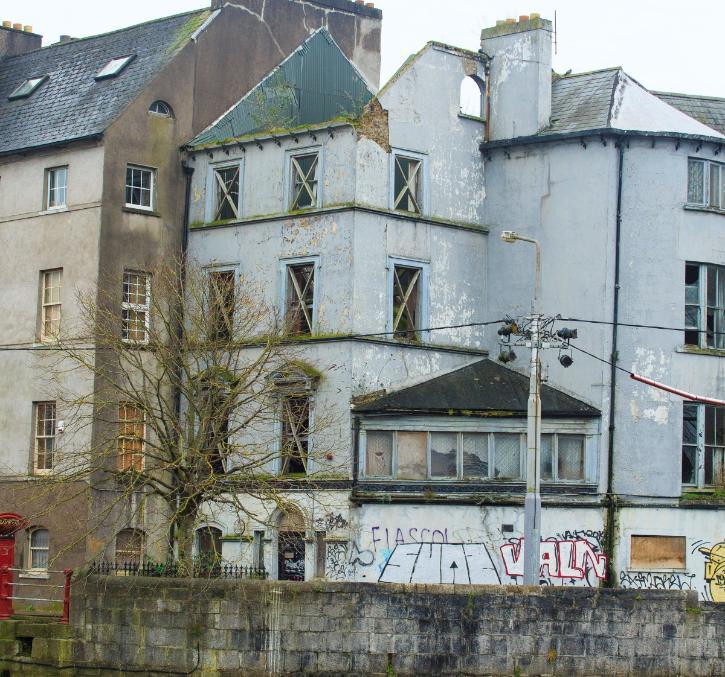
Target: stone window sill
138,210
696,350
40,575
704,208
475,118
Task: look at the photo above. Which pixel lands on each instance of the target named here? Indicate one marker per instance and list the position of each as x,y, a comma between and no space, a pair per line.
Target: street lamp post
532,503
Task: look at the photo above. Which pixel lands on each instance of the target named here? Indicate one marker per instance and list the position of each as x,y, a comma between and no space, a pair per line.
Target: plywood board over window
412,449
657,552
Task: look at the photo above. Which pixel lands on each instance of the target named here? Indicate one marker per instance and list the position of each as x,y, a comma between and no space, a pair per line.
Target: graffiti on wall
715,570
429,562
330,522
656,581
337,566
570,560
391,538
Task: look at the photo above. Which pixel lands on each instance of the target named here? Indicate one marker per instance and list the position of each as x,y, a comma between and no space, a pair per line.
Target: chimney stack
520,75
17,39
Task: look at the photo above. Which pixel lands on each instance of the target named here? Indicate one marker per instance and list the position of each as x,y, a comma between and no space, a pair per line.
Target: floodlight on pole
532,503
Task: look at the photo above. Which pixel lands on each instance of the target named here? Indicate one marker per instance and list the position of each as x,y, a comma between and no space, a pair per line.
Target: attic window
161,108
27,87
114,67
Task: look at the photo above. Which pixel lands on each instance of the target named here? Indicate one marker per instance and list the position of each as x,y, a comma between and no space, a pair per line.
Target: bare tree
191,394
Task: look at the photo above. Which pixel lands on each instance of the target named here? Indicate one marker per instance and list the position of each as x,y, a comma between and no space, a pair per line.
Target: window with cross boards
407,302
407,183
226,187
295,434
304,180
300,298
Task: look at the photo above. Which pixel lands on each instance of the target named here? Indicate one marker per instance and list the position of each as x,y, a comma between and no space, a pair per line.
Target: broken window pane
715,191
129,546
696,182
407,184
131,433
715,307
304,181
475,455
221,304
300,298
689,444
471,97
295,434
507,456
570,457
412,456
226,182
406,302
379,454
547,457
692,304
443,455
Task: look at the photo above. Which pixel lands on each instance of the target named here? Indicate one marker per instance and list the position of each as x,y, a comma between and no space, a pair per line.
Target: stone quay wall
210,627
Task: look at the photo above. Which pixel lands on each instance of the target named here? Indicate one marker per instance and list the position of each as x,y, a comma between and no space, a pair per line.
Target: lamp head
509,236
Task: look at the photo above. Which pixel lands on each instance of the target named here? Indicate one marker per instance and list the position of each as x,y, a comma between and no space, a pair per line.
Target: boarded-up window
412,456
657,552
379,454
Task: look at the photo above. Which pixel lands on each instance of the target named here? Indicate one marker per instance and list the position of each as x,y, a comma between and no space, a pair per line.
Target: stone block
571,646
334,662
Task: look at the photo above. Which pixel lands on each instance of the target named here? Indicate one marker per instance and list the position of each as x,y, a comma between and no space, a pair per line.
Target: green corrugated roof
314,84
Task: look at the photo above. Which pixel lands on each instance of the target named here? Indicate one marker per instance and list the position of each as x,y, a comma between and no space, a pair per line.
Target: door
291,556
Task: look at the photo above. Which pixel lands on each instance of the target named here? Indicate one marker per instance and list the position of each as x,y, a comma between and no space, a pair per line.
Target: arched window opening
291,546
472,89
39,549
208,547
129,546
161,108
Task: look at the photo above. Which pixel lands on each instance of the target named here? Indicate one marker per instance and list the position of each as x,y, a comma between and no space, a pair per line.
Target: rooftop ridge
688,96
562,76
75,41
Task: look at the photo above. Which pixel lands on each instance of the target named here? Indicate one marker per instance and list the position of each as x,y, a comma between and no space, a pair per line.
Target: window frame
589,448
121,453
217,269
284,266
289,191
423,187
423,300
25,89
706,186
31,549
168,114
37,470
133,533
703,306
42,334
47,190
152,191
122,63
701,446
479,82
210,206
293,386
137,307
629,533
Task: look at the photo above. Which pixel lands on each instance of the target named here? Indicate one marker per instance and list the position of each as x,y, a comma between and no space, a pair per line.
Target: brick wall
256,628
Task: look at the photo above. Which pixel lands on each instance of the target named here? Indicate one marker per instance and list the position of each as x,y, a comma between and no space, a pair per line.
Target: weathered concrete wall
261,628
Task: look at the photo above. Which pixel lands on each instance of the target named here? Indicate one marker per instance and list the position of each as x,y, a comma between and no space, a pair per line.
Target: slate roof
314,84
71,104
481,388
582,101
707,109
587,101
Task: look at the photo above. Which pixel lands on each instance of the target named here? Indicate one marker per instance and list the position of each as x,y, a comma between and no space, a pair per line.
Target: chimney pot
370,4
510,20
18,27
27,28
359,2
500,22
535,15
7,24
523,17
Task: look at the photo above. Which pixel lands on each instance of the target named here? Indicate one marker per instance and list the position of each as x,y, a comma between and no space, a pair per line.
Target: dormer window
27,88
114,67
161,108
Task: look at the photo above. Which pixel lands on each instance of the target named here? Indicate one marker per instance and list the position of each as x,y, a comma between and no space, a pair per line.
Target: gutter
611,499
600,132
54,144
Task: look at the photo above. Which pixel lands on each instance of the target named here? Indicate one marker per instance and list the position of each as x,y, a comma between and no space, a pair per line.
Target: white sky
667,45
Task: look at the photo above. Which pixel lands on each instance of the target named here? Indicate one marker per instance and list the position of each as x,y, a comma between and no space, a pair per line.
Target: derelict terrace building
92,195
379,211
387,222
